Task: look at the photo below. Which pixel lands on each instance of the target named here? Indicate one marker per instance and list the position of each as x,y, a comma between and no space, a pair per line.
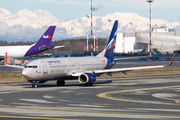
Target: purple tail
43,43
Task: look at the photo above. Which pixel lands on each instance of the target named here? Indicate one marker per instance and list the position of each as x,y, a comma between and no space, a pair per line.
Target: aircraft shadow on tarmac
45,85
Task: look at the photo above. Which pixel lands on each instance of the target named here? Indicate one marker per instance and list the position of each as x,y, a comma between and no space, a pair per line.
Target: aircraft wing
1,55
15,66
123,70
109,71
96,72
58,46
12,66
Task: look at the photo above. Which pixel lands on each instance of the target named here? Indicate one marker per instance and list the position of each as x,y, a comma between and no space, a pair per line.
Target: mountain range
28,25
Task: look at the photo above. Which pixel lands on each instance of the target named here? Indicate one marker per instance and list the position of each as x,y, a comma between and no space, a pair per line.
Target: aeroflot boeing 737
27,50
85,69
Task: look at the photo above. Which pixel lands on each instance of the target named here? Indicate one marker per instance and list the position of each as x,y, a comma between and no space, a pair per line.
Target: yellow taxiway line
102,95
39,118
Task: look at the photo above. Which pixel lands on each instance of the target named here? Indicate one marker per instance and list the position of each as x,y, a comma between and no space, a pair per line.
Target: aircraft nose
26,73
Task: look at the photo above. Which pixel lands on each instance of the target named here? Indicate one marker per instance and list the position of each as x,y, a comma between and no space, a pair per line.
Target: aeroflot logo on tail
47,36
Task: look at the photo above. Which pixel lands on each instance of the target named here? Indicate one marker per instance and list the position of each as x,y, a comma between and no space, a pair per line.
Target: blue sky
73,9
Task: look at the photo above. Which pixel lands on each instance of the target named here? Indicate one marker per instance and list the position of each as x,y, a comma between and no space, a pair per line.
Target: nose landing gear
34,85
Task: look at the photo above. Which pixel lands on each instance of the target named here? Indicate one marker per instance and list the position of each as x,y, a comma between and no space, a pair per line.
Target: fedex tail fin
46,37
43,43
108,50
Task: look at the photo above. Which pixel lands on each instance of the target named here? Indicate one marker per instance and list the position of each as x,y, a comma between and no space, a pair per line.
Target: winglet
170,63
5,62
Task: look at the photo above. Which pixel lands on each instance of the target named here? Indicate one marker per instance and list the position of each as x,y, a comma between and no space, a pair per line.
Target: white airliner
22,51
85,69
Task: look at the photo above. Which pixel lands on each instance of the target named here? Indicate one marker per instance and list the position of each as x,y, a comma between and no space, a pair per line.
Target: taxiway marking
81,111
103,95
40,118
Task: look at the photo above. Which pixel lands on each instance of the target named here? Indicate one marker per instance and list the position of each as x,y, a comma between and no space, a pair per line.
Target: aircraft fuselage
59,68
14,51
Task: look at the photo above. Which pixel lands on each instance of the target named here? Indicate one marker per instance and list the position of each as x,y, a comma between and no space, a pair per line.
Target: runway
143,97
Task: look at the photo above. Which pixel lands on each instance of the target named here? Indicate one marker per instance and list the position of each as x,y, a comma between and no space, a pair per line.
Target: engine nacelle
87,78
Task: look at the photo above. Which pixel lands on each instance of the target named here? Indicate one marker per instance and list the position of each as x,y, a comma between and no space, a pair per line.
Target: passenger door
45,72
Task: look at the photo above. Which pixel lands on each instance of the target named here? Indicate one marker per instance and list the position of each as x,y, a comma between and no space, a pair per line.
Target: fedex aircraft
85,69
22,51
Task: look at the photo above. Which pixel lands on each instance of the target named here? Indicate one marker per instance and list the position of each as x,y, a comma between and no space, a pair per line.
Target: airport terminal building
162,39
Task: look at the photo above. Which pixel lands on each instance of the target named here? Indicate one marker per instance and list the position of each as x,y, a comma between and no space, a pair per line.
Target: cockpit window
34,66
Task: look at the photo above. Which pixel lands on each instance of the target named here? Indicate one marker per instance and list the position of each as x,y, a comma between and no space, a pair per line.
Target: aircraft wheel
34,85
90,84
60,82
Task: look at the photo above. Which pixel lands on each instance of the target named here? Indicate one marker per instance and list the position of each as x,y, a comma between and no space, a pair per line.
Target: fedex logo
47,36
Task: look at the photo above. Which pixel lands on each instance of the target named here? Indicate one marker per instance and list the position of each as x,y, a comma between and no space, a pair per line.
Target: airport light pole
109,20
150,30
91,32
96,40
94,9
87,31
131,26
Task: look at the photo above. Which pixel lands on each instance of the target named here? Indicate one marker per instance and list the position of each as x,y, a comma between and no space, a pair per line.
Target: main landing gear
88,84
60,82
34,85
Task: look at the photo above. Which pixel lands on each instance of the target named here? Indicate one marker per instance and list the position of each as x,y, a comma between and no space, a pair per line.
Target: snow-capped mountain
28,25
35,19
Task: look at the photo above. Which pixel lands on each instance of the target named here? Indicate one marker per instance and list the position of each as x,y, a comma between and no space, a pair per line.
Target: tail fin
43,43
46,37
108,50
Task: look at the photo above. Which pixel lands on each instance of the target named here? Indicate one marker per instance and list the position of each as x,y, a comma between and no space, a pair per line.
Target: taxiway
144,97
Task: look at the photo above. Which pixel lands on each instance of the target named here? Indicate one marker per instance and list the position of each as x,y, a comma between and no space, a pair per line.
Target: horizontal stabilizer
129,58
58,46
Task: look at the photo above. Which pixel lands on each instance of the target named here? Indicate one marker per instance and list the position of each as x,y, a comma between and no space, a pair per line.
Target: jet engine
87,78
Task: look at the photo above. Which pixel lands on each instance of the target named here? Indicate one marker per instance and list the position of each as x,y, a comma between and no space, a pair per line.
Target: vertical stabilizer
108,50
46,37
43,43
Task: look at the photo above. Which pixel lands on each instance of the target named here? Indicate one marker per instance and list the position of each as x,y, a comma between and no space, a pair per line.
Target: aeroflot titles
56,62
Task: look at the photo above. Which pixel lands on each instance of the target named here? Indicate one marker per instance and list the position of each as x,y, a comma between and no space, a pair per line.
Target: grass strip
16,76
